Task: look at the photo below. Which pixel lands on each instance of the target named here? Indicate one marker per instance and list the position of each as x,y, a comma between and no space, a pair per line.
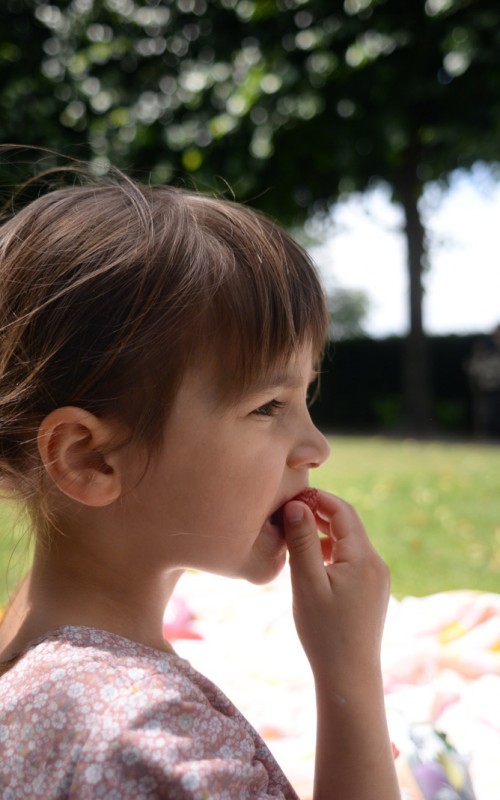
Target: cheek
258,484
216,483
231,495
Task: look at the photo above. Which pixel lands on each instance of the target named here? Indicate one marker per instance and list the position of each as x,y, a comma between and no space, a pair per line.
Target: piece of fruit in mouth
308,496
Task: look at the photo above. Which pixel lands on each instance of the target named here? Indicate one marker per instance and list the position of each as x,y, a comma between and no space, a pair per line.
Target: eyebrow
280,379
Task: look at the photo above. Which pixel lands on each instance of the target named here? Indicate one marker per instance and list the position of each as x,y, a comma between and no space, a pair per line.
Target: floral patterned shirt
87,714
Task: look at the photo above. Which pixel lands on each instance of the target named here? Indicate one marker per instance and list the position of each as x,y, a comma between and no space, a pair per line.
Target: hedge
360,387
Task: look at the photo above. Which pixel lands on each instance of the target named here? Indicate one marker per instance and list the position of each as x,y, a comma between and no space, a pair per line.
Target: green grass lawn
432,510
15,549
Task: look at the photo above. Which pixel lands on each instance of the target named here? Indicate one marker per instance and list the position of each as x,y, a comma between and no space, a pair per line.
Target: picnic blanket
441,663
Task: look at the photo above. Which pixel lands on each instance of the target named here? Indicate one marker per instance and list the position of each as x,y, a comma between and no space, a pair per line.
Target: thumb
304,547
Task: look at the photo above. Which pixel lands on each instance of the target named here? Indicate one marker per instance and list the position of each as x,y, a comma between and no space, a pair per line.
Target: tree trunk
416,368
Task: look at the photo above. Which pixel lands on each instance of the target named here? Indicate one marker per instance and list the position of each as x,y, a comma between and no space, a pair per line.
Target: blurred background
371,129
368,127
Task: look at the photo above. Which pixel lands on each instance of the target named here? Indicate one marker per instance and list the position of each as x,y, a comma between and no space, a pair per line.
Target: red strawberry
310,498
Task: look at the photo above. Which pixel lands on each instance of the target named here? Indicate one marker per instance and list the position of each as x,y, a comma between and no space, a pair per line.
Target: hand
339,607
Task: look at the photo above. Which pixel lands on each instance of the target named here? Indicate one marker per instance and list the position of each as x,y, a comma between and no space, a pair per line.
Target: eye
269,409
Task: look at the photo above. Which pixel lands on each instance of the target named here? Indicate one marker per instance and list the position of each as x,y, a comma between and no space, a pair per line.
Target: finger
326,549
324,526
304,547
340,521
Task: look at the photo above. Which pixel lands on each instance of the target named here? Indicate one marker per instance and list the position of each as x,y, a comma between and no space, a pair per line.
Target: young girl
156,351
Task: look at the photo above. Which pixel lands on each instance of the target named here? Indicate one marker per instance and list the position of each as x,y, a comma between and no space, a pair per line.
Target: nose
311,450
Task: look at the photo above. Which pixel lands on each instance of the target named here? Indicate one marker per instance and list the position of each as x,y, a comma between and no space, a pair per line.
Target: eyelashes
269,409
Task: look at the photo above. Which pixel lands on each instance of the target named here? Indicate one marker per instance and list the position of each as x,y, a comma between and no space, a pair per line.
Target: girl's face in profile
207,500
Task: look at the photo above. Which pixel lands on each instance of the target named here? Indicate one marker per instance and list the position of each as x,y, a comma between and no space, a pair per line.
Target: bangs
266,299
125,288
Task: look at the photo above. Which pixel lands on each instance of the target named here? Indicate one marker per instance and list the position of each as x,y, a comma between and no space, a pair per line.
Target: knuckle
347,506
300,543
377,567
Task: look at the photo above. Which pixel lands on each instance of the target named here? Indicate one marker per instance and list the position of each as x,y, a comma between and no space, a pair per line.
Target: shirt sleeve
180,750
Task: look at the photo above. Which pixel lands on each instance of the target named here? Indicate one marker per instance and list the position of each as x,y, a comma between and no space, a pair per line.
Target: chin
258,569
266,572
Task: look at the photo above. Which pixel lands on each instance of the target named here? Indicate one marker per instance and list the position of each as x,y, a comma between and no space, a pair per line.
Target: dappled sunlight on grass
432,509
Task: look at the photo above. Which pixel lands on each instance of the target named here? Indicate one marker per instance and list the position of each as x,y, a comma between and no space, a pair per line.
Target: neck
70,586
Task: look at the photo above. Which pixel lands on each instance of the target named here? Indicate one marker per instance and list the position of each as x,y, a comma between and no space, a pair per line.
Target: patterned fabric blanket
441,660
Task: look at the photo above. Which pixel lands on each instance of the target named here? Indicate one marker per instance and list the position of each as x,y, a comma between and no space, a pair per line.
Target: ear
72,445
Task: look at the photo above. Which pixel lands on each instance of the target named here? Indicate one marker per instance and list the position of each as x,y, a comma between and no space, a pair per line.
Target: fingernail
294,513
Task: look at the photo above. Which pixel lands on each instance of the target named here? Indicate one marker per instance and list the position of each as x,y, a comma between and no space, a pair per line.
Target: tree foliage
348,309
292,102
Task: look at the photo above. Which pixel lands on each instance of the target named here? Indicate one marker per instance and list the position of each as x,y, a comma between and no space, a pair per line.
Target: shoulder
80,666
104,710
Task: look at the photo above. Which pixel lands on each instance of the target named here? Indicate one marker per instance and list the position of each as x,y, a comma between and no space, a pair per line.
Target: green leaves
298,92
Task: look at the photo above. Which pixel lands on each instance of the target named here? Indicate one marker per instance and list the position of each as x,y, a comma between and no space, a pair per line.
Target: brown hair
110,289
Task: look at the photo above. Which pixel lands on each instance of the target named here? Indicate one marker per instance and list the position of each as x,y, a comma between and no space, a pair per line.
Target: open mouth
308,496
276,517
